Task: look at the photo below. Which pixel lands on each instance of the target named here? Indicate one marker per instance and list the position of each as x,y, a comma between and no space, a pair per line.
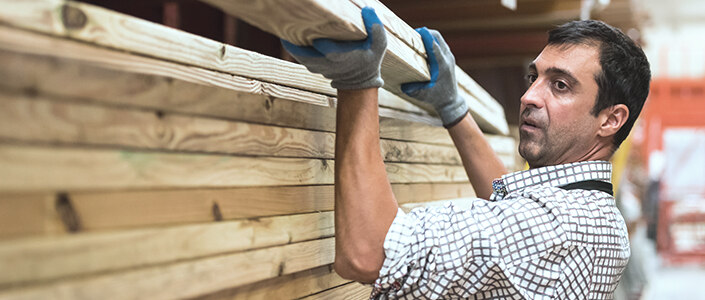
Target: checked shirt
532,240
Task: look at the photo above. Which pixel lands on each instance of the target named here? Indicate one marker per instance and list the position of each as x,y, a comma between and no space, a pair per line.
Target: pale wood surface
25,168
39,119
303,21
119,31
239,62
187,278
115,30
351,290
28,214
122,79
41,259
36,214
291,286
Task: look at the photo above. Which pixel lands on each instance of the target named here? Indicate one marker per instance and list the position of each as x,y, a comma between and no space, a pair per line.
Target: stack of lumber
138,161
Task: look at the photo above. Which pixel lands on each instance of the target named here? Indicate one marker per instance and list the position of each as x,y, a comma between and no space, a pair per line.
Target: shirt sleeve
432,249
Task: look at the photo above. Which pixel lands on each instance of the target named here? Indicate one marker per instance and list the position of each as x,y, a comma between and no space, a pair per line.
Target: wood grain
111,29
303,21
202,52
122,79
352,290
42,259
292,286
25,168
187,278
118,31
42,119
26,215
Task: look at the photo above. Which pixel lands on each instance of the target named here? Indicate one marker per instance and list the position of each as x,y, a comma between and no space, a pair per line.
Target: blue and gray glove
348,64
442,91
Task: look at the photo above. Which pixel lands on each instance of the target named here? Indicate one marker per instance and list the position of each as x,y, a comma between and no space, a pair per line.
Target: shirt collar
557,175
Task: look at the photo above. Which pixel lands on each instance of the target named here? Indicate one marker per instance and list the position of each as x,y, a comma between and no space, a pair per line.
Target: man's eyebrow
532,67
562,72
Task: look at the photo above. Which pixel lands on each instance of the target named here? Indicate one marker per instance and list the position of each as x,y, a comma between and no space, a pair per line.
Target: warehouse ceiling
482,32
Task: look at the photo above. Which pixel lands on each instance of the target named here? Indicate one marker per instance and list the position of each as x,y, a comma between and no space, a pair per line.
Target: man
552,232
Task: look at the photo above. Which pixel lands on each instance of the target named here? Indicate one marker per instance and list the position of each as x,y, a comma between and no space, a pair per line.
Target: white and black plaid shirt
534,240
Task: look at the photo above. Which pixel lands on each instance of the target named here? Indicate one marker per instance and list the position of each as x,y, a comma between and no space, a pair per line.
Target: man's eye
531,78
560,85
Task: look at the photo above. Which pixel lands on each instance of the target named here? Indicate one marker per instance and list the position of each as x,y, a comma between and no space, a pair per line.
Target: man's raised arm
481,162
364,203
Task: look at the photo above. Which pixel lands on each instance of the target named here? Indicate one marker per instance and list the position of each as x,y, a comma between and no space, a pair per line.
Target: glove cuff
376,81
453,114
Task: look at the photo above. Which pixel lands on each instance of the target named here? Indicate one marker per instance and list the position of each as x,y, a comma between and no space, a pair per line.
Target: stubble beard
532,147
533,142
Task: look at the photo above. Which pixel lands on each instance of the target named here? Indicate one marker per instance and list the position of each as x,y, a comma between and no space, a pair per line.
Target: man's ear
612,119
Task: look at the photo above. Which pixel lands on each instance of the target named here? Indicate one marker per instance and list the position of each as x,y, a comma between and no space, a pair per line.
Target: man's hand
350,65
442,91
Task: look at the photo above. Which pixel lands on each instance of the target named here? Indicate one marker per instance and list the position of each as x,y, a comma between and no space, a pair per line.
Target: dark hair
625,74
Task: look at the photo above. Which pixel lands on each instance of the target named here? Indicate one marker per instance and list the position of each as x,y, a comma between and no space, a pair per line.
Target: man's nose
534,95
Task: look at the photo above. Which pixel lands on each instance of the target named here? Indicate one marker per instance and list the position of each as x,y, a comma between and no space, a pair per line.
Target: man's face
556,124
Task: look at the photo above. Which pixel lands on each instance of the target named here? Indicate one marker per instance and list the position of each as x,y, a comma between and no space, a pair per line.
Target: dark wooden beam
424,11
497,43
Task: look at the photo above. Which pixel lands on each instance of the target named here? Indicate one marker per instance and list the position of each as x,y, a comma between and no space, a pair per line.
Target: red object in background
673,103
677,105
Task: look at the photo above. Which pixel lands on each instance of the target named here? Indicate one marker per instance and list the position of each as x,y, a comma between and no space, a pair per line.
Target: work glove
442,91
348,64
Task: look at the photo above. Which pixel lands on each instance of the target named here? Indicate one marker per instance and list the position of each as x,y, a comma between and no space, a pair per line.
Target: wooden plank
26,168
303,21
118,79
41,259
202,52
292,286
30,118
36,214
27,214
332,19
187,278
115,30
353,290
118,31
122,79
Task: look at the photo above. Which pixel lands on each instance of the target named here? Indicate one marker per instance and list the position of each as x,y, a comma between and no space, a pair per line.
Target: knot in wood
269,102
393,153
73,17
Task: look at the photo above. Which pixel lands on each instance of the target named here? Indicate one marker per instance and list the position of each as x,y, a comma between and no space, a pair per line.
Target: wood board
110,29
33,119
25,168
43,214
300,22
188,278
292,286
352,290
42,259
104,77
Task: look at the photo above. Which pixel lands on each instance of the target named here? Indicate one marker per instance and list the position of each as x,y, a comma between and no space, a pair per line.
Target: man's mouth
528,124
